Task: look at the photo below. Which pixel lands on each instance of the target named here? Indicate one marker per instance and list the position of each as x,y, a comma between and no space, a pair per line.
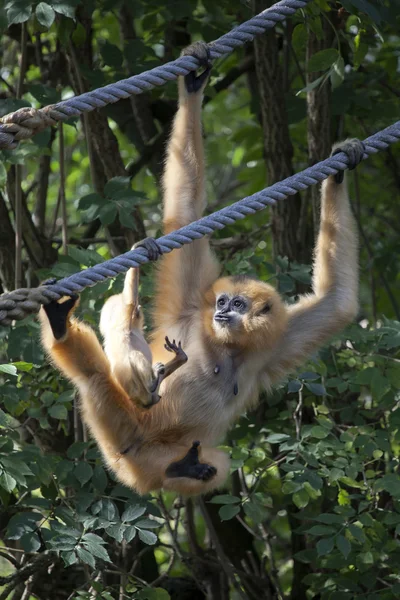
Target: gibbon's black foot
175,348
189,466
57,313
152,248
355,151
201,51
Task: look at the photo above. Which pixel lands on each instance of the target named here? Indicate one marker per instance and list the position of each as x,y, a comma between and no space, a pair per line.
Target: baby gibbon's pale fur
238,333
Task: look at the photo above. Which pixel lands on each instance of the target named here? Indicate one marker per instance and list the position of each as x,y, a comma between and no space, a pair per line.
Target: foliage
315,469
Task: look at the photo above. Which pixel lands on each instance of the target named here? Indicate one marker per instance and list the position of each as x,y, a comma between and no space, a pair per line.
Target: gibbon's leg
172,467
315,318
76,351
184,274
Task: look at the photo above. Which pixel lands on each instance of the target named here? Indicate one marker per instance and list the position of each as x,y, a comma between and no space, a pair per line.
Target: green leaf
224,499
133,512
343,545
255,512
152,594
228,512
3,175
65,7
277,438
18,11
83,472
9,369
147,524
99,478
316,388
330,519
30,542
322,60
86,557
294,386
108,213
96,550
319,432
117,184
301,498
357,533
130,533
58,411
147,537
45,14
321,530
325,546
7,482
337,73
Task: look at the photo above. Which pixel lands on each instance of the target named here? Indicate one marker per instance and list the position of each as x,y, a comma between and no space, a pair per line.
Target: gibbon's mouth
222,318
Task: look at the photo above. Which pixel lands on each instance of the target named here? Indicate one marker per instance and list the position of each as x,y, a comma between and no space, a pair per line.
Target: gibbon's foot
57,313
355,151
201,51
176,349
152,248
189,466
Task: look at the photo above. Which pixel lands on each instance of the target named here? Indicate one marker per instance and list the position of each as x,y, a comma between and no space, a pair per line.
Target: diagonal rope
26,122
20,303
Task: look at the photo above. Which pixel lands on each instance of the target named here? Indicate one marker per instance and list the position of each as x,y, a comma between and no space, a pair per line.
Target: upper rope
20,303
26,122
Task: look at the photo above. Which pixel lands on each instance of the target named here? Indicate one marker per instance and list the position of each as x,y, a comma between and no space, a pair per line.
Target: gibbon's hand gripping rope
20,303
24,123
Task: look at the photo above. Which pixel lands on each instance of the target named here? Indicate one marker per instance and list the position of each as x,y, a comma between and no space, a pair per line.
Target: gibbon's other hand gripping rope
20,303
24,123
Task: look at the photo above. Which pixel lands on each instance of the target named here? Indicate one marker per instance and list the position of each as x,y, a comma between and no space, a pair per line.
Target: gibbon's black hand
201,51
355,151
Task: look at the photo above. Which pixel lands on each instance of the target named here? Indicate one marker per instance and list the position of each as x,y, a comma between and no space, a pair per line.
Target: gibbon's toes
152,247
354,149
193,82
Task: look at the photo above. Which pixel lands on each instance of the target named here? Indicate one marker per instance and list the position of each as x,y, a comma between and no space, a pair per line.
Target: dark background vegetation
312,508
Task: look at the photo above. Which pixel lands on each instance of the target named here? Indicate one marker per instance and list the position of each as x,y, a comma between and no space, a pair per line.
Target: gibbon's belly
206,398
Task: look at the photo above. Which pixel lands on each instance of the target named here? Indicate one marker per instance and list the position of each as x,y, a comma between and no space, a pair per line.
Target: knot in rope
23,124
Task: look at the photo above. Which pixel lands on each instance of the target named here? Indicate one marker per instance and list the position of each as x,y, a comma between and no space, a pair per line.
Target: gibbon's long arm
334,303
185,274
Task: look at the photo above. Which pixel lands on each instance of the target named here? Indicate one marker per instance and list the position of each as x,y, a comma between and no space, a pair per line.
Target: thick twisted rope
26,122
20,303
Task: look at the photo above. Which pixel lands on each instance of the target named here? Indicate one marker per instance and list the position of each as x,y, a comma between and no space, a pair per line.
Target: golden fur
225,368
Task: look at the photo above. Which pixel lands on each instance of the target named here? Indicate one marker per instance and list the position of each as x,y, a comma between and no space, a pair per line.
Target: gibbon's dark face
230,310
245,312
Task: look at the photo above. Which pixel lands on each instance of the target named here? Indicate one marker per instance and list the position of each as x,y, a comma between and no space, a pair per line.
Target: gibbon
237,331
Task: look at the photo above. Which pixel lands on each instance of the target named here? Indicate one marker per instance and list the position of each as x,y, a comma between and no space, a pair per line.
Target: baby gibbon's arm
334,303
185,274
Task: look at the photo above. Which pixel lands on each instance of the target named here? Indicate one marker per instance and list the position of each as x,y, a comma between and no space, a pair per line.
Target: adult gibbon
238,333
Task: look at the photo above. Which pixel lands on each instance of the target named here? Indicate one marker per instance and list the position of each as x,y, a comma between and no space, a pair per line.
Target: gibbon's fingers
354,149
193,82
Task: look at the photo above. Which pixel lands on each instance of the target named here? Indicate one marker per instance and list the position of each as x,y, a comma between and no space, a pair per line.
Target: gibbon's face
244,312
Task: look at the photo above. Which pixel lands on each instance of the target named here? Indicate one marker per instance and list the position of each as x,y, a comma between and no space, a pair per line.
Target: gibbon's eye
266,308
238,304
221,302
